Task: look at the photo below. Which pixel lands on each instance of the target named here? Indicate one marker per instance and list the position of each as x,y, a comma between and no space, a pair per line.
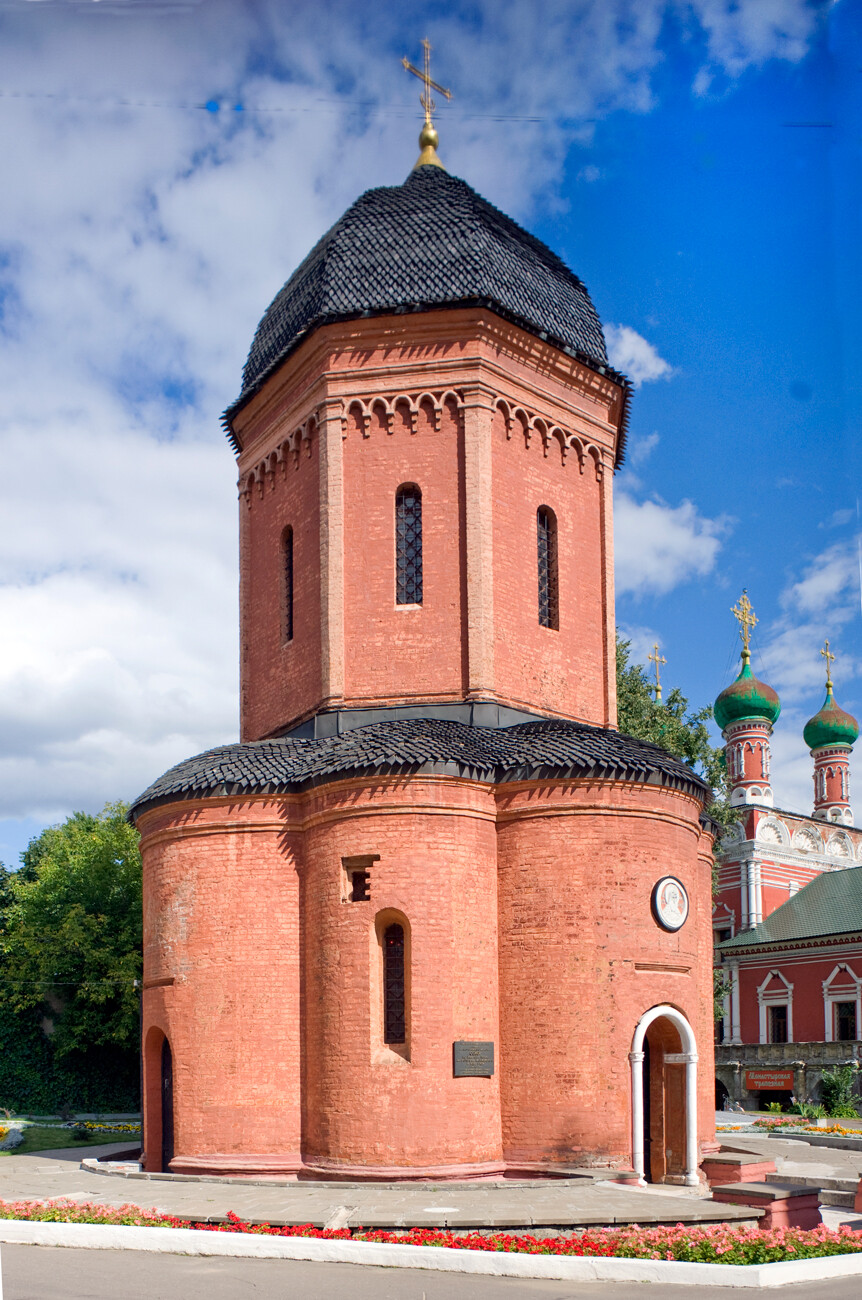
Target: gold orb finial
428,137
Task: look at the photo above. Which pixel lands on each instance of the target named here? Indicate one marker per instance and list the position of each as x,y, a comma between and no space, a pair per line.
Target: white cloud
630,352
640,449
658,546
744,35
140,241
642,641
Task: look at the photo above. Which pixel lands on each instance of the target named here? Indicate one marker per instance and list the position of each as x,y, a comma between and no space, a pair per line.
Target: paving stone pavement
46,1174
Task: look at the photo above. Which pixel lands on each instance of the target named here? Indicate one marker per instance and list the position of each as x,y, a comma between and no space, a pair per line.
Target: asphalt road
58,1273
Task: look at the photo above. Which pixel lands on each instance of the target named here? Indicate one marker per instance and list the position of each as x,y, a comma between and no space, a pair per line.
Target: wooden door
167,1106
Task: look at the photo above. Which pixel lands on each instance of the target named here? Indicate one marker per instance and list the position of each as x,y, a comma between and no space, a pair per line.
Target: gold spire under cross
657,659
428,137
830,660
745,617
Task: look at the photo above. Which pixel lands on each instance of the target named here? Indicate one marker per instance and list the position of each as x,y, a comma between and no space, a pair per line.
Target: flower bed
709,1245
797,1125
93,1126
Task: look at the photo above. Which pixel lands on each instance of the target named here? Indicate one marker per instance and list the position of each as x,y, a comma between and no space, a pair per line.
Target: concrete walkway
522,1206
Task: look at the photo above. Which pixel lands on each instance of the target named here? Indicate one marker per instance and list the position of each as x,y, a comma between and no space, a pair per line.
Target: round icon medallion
670,903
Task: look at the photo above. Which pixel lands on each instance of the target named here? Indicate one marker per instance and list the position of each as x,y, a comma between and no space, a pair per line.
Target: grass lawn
37,1138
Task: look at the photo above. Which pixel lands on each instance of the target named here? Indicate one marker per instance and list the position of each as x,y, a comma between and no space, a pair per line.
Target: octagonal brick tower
426,339
432,916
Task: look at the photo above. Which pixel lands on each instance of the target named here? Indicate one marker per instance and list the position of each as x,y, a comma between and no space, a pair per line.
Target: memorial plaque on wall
476,1059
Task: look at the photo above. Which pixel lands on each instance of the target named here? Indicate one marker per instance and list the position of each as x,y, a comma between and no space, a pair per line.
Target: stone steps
840,1192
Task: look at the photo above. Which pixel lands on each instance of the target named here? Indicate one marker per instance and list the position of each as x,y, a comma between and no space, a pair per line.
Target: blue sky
695,161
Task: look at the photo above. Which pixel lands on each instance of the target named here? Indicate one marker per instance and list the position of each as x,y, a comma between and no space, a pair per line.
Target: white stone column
736,1028
743,895
691,1178
752,895
758,892
637,1063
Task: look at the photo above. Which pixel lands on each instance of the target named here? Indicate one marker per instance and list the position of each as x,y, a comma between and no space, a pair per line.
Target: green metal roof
746,698
831,726
829,904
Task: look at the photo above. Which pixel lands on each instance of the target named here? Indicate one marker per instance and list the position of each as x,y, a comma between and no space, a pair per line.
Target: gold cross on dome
425,98
657,659
744,615
830,660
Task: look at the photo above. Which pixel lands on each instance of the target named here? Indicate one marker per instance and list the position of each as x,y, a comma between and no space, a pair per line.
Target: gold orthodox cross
830,660
425,98
657,659
744,615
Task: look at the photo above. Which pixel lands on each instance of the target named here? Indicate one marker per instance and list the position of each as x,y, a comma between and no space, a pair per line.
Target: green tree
70,933
682,732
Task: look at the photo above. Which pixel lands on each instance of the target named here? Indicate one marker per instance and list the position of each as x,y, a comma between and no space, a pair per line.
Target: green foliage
70,953
773,1107
39,1137
673,726
807,1110
720,990
838,1091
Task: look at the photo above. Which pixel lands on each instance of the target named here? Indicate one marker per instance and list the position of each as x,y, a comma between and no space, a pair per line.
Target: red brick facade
525,906
529,926
491,424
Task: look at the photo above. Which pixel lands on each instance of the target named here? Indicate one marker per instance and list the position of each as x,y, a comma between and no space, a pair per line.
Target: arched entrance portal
664,1098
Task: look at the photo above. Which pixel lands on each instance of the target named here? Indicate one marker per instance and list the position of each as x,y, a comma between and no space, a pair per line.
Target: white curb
190,1241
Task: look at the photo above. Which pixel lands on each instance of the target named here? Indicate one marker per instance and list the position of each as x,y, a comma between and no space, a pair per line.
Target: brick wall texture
525,907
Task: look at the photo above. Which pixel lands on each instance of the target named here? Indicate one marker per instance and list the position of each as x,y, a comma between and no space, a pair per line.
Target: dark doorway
722,1096
647,1116
167,1106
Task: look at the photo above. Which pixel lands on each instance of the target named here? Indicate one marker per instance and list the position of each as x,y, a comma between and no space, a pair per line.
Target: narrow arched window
549,607
287,571
408,545
394,1018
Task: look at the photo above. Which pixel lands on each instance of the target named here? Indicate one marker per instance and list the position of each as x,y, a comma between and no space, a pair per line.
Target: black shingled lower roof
551,749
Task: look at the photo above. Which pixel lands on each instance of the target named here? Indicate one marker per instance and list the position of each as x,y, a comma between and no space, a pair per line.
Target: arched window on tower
394,1000
287,575
549,606
408,545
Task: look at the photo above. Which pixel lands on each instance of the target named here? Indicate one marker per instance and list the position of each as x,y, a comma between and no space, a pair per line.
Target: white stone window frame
830,998
780,998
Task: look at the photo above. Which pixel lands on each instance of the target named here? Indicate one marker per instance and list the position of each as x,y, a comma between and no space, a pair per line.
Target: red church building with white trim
788,912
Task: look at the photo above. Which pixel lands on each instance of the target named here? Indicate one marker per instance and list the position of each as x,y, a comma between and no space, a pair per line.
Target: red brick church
788,912
432,916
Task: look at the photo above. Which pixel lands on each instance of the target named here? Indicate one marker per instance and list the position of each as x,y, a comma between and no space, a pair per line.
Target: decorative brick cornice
275,464
388,406
528,424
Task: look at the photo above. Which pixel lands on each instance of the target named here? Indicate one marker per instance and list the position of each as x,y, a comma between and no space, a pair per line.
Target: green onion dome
831,726
746,698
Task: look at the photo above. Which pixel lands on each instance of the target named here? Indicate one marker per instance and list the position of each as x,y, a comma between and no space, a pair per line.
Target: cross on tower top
657,659
428,137
425,76
745,617
830,660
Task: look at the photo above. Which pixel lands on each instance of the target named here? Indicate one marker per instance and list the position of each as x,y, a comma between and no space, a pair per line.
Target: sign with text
472,1059
763,1080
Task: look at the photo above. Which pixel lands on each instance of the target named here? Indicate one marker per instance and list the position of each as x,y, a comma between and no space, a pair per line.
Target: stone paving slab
48,1174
